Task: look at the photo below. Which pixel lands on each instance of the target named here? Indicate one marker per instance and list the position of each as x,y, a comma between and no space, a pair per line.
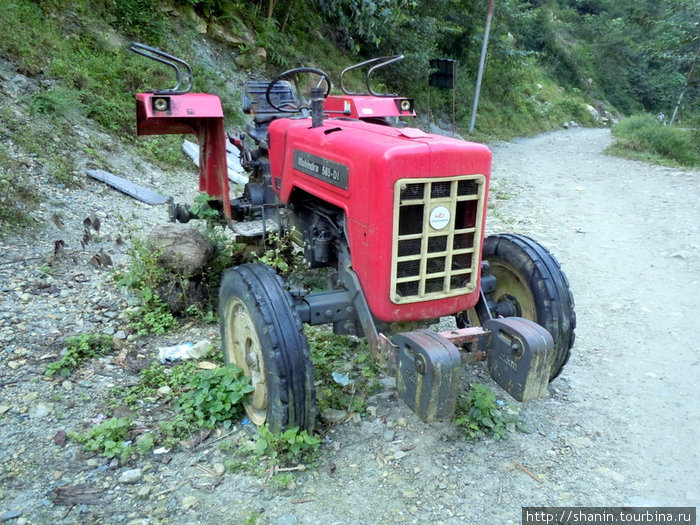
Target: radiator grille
437,236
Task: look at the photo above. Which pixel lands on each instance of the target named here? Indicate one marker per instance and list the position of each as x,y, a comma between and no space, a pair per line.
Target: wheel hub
245,352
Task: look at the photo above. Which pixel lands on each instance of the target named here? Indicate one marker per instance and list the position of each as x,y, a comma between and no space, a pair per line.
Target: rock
400,454
388,383
593,112
165,390
189,502
222,34
143,492
10,515
39,410
331,415
130,476
612,474
287,519
219,469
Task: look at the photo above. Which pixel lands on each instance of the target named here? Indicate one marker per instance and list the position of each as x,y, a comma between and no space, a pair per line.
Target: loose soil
619,426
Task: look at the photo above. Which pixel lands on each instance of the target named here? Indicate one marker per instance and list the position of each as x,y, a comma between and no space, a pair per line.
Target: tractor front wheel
261,333
531,284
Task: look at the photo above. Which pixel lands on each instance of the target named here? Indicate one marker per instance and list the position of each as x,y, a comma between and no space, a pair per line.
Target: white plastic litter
184,351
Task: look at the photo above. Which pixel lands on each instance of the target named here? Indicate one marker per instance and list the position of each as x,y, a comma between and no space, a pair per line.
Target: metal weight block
428,374
519,356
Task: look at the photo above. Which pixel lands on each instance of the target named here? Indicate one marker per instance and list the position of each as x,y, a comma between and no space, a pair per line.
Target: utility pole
479,76
680,99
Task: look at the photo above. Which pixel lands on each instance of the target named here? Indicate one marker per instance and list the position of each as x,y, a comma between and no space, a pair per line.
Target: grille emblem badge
439,217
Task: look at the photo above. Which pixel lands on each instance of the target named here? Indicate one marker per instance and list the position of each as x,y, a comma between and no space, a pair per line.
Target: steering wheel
292,75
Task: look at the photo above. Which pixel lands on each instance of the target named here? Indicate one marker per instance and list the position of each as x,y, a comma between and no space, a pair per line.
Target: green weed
214,397
108,438
287,448
479,414
144,276
281,254
350,359
79,349
154,377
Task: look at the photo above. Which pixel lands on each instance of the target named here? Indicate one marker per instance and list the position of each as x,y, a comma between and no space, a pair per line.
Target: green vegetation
643,137
479,414
108,438
346,372
153,284
281,254
214,397
154,377
287,448
546,61
144,276
79,349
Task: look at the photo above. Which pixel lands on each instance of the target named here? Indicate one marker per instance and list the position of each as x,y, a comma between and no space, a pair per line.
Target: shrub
479,414
643,136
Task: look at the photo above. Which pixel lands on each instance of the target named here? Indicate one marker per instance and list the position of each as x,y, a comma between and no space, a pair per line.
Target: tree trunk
286,15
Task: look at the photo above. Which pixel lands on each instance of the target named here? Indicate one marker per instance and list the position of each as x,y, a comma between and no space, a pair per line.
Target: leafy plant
281,254
214,396
201,208
144,275
154,377
109,438
479,414
286,448
79,349
345,369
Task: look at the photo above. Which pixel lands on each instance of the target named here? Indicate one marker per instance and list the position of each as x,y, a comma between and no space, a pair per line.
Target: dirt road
627,235
620,425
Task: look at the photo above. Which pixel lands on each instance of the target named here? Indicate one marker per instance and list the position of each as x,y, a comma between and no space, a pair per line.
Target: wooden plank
125,186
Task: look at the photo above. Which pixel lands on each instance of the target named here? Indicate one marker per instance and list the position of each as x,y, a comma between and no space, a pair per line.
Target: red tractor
398,213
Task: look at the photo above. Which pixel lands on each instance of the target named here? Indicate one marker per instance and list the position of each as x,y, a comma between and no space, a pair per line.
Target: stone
331,415
39,410
388,383
165,390
10,515
189,502
130,476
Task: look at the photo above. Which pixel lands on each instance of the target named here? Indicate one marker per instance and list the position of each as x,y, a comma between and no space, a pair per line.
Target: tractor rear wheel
262,333
531,284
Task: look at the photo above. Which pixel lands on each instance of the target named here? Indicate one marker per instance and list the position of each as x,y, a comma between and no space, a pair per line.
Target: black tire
262,333
531,284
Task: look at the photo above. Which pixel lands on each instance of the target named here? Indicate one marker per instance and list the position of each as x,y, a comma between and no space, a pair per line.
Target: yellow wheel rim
512,287
242,348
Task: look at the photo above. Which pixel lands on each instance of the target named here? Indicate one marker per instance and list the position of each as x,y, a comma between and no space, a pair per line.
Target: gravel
618,427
